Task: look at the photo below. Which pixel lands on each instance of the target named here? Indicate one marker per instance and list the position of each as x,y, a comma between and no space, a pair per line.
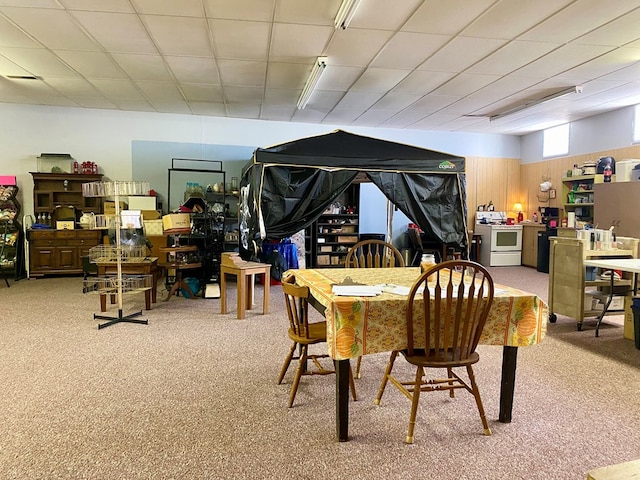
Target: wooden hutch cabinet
54,251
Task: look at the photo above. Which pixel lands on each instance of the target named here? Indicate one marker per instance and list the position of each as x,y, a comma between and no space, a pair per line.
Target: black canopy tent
286,187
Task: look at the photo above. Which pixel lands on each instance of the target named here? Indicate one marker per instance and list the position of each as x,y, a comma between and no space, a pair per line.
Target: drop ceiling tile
373,118
91,64
356,47
242,73
408,50
395,101
445,18
170,106
307,12
358,100
194,69
308,115
243,110
38,61
143,67
560,60
460,53
32,3
115,89
157,92
65,35
465,84
179,35
341,116
240,39
186,8
11,36
243,95
577,19
403,119
281,114
310,42
616,33
72,87
280,97
336,77
130,104
429,104
608,63
628,73
508,20
202,93
7,67
512,56
123,6
117,32
422,82
324,101
376,14
379,80
287,75
208,108
258,10
93,102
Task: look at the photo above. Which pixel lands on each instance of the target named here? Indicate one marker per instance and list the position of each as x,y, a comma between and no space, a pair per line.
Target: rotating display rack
117,253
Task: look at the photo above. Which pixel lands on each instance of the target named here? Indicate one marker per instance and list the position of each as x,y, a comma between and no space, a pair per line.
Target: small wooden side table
176,260
245,272
148,266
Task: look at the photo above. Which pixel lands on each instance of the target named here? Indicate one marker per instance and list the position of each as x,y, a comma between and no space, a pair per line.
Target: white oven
501,245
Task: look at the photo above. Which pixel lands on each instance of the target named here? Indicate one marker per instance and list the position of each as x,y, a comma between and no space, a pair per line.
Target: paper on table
357,290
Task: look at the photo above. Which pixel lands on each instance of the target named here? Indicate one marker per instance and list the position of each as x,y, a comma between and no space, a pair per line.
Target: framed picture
552,193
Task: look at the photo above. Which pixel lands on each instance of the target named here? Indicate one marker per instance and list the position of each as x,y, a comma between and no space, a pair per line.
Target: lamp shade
517,207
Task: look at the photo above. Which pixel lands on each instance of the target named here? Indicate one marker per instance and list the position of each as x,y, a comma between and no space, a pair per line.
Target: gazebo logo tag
447,165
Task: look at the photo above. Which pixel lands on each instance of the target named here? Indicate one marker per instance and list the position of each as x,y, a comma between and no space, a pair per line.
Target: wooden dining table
359,326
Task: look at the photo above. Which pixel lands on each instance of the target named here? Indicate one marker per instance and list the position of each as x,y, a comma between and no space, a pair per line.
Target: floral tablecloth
363,325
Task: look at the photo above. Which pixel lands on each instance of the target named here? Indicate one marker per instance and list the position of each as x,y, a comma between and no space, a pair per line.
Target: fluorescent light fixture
533,103
345,13
314,77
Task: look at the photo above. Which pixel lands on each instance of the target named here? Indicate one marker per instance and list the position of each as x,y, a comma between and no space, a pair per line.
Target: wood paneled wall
532,174
493,179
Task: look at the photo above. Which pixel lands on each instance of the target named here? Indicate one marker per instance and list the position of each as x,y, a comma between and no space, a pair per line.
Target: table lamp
518,208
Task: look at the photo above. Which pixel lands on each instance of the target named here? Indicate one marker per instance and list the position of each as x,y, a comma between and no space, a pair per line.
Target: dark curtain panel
435,202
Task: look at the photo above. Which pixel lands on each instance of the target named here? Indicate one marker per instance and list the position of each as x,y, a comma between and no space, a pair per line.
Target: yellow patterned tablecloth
363,325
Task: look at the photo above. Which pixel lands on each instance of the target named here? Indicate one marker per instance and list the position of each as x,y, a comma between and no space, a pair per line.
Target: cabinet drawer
92,242
89,234
41,234
48,242
65,234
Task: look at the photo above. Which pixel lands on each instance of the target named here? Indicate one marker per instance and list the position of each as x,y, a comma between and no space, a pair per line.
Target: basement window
556,141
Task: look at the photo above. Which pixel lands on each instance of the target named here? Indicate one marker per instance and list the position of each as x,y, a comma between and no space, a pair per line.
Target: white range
501,244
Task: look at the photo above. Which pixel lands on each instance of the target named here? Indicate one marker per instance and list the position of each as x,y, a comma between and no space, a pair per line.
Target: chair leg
385,379
287,361
452,393
358,367
476,394
414,403
296,380
352,385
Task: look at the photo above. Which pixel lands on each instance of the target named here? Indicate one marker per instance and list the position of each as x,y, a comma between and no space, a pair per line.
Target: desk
362,325
146,266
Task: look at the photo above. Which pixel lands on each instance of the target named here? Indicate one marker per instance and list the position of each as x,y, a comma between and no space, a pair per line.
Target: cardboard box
335,260
110,207
324,259
348,229
151,215
347,239
153,227
142,203
176,222
326,248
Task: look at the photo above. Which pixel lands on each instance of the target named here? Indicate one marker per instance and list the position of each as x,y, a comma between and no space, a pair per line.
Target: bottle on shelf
427,260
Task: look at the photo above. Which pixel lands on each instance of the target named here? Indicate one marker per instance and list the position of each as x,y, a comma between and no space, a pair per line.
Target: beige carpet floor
193,395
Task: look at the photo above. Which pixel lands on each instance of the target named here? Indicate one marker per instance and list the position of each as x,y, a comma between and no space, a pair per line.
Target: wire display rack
118,253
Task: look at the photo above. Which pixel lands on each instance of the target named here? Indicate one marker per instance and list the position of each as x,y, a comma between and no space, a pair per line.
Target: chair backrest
447,309
373,254
297,302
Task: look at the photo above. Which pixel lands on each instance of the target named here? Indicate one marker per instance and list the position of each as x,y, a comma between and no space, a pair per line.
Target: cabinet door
66,257
42,259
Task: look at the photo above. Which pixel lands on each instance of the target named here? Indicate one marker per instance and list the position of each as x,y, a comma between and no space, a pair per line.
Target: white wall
609,130
106,136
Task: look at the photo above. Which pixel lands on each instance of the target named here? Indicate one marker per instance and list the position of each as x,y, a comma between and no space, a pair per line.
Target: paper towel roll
571,219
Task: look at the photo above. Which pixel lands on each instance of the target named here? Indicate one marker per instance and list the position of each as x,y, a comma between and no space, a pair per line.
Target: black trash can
635,307
543,249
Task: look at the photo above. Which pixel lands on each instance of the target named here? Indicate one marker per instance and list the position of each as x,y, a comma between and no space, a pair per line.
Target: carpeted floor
193,395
